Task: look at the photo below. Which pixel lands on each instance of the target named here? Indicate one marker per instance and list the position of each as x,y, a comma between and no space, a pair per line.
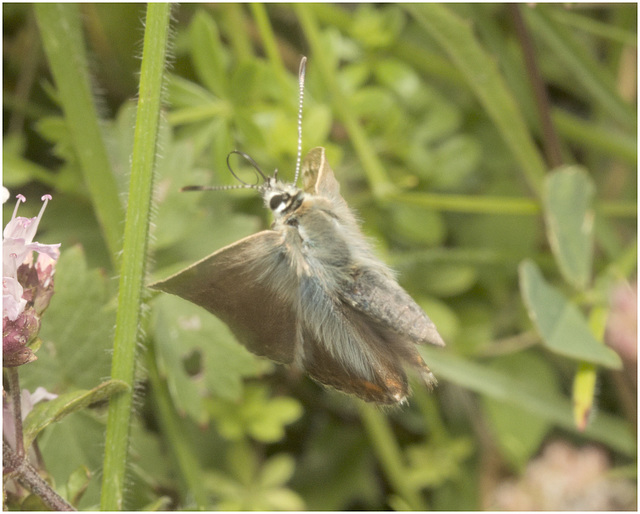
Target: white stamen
20,200
45,199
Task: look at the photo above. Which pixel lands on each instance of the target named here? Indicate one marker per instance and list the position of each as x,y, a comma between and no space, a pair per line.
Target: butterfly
310,292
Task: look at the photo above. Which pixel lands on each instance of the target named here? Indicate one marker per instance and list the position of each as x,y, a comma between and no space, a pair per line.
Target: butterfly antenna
303,65
216,188
242,185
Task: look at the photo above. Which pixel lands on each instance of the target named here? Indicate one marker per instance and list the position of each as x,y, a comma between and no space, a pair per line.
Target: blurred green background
489,150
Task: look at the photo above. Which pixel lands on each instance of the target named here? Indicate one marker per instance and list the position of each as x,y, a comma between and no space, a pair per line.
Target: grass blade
593,77
483,77
61,35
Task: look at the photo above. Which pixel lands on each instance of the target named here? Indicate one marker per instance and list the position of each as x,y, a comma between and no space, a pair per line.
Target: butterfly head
281,198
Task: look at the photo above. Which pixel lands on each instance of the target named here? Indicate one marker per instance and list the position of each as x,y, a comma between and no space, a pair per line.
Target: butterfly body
310,292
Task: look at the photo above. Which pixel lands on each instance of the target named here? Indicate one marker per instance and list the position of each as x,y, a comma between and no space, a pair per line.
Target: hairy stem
16,405
28,477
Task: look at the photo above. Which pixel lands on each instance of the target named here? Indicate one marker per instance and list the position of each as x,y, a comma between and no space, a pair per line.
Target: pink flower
12,302
26,287
17,246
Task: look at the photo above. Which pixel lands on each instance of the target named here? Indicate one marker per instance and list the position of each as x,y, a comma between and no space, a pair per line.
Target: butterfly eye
277,202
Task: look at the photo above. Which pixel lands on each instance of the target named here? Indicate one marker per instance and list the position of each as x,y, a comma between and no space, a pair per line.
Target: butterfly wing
249,286
345,349
372,289
382,321
318,177
384,300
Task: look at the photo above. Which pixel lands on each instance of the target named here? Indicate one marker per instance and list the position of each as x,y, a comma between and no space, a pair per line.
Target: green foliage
260,417
569,215
76,339
252,486
54,410
518,431
560,323
430,121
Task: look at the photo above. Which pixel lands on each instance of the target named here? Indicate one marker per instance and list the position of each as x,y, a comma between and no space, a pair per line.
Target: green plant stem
376,174
172,426
270,43
134,252
585,379
617,209
389,455
499,204
237,31
553,150
603,29
469,204
590,134
61,34
261,18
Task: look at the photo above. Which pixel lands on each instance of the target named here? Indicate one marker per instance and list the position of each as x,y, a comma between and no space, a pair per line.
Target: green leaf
399,77
183,330
347,470
278,470
376,27
560,324
246,81
185,93
77,484
606,428
73,443
375,171
254,494
161,504
440,279
45,413
411,225
77,328
568,210
455,160
208,54
517,431
437,461
257,416
16,170
585,380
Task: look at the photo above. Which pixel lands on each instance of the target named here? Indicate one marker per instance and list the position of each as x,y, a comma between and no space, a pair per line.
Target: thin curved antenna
242,185
252,162
303,65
